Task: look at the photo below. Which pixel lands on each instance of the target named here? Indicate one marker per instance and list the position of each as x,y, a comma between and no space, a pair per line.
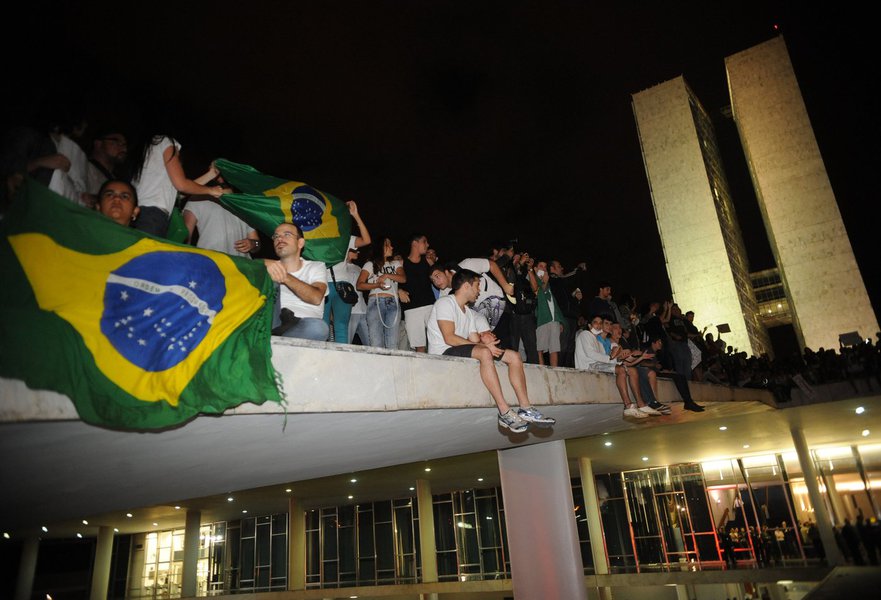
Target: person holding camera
521,273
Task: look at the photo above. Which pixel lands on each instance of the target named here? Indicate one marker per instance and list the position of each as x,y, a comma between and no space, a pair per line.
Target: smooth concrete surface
101,564
807,235
322,377
540,522
703,249
426,408
191,553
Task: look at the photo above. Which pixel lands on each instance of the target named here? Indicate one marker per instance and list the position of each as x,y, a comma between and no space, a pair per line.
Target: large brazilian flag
265,202
139,333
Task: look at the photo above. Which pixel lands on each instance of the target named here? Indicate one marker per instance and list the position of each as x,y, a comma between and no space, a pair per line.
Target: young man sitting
591,356
452,331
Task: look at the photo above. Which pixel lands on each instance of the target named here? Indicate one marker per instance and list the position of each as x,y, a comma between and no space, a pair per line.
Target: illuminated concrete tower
703,248
819,272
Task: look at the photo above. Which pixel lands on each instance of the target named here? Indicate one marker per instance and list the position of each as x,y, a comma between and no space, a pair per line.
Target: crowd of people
507,305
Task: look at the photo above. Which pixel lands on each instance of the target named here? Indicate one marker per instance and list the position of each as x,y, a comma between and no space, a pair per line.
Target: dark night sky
469,121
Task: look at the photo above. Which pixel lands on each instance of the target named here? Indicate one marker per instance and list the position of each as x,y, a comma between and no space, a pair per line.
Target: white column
540,519
594,523
427,547
101,566
191,554
824,523
296,545
27,567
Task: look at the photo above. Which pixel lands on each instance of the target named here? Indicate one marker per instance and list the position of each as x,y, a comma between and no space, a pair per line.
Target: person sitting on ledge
452,331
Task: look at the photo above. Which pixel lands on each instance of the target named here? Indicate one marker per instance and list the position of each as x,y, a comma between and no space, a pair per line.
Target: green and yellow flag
138,333
265,202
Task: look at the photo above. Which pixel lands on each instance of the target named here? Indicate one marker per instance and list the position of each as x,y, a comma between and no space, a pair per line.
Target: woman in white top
158,177
381,276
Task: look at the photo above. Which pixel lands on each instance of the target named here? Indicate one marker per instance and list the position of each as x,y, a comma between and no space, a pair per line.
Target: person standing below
342,311
158,176
452,331
419,294
381,276
303,286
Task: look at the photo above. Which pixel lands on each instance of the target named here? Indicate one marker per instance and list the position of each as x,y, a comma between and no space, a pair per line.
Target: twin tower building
703,246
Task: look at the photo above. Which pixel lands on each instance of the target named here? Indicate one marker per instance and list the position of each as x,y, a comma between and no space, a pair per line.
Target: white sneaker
634,412
649,411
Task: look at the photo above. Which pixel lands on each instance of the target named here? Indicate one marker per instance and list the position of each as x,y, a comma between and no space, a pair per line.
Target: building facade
810,244
703,248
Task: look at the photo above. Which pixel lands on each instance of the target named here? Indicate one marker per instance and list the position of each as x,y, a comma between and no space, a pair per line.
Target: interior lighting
866,432
85,522
723,428
860,410
350,497
645,458
353,480
229,499
745,446
5,535
79,535
427,469
115,530
244,511
155,524
607,444
177,508
480,479
412,488
288,490
129,515
45,529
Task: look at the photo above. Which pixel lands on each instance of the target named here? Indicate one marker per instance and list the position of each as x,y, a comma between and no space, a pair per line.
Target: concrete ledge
322,377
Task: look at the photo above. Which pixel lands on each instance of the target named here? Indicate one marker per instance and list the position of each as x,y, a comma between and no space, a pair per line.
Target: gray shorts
547,337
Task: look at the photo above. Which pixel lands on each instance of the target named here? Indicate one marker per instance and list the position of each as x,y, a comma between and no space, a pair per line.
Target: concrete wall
322,377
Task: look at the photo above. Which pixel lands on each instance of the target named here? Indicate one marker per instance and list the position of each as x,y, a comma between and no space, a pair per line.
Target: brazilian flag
266,202
139,333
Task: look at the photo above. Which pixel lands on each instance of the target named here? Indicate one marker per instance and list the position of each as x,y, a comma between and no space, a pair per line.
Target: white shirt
311,271
488,285
390,267
154,186
447,309
590,354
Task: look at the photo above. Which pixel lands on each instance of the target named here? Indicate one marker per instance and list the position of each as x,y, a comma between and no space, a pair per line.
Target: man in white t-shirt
452,331
302,286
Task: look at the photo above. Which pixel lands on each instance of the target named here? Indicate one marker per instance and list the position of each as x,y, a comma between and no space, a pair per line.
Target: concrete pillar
191,554
539,514
296,545
27,567
594,524
427,547
839,510
824,523
101,567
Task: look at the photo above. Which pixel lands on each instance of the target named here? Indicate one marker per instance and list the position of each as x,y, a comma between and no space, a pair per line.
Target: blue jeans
383,320
358,324
341,314
309,328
